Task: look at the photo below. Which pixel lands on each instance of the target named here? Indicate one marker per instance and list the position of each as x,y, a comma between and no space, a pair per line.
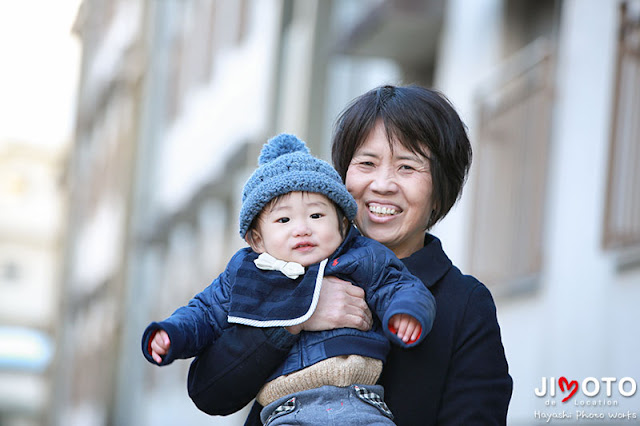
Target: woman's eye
407,167
283,220
367,163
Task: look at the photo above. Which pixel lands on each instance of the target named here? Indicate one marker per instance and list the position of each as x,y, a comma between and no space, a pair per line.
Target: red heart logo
569,384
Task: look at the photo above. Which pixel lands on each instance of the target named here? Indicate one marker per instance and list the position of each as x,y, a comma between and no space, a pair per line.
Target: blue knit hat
286,165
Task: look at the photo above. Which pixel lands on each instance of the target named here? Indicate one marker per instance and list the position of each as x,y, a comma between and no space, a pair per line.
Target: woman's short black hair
423,121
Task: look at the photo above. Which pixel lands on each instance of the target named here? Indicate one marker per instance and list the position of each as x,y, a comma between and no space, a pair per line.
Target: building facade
177,97
32,209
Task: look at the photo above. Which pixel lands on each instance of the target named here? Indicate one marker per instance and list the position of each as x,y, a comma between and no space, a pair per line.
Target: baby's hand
406,327
160,345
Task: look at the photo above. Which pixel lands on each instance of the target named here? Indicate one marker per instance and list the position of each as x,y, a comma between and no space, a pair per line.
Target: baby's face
300,227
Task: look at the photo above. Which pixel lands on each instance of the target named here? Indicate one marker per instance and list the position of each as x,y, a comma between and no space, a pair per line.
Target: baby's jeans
355,405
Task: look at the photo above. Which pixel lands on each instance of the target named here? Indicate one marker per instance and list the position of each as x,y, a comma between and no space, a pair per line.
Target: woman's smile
383,210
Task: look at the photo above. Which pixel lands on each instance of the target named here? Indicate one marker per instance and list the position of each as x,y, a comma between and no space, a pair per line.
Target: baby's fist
406,327
160,345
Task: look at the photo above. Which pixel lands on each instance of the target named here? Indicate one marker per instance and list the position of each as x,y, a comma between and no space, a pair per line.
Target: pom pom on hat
286,165
280,145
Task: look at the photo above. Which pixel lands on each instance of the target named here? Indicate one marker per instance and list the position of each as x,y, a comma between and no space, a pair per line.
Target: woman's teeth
382,210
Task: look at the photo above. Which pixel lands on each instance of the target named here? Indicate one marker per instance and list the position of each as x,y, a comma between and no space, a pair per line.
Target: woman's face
393,190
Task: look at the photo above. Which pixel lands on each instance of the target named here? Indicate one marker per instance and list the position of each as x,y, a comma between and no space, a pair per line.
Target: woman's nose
384,181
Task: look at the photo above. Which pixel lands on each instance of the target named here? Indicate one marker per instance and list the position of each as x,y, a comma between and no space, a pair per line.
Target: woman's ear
254,239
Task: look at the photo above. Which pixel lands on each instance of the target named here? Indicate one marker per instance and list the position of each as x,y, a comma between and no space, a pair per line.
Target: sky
39,71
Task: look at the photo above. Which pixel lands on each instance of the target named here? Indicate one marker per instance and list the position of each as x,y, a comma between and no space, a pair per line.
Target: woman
404,155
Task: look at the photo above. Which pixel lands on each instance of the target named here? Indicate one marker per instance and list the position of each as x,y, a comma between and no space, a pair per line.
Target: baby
296,217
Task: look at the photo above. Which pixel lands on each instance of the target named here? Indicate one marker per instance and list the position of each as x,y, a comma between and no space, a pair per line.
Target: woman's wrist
294,329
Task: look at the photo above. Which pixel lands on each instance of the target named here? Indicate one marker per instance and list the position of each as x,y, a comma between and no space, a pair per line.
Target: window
511,168
622,210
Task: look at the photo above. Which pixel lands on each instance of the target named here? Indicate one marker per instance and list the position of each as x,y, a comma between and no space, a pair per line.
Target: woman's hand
341,304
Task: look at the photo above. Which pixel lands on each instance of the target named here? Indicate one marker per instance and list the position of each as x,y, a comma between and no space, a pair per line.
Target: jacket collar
430,263
352,234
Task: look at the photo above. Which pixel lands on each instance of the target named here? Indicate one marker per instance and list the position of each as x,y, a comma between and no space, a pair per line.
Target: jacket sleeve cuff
175,338
424,316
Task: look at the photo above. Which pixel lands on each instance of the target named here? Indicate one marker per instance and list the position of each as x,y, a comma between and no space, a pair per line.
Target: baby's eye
283,220
316,215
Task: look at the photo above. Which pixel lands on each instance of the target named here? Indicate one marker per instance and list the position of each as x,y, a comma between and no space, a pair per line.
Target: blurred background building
31,214
37,86
175,99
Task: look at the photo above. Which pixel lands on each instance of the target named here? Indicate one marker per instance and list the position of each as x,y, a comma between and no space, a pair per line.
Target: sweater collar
430,263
